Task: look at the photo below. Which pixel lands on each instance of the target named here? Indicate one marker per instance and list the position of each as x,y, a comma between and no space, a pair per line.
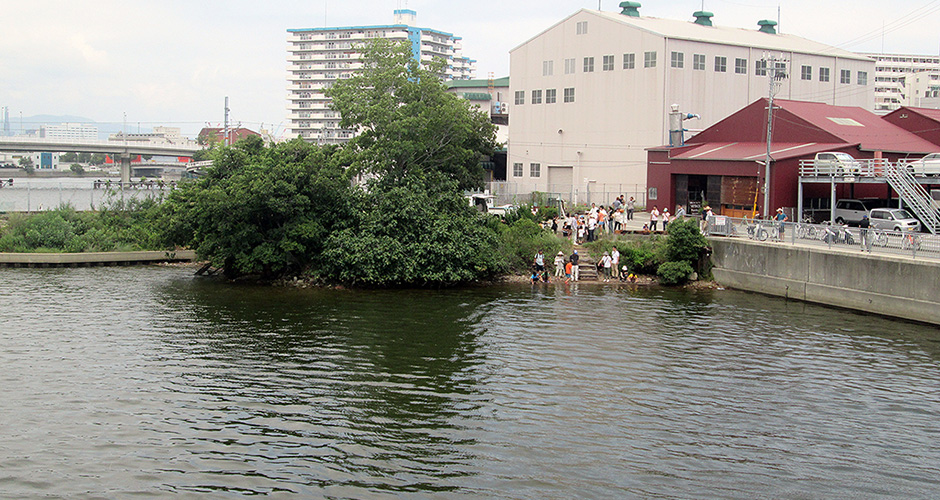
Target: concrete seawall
892,286
93,258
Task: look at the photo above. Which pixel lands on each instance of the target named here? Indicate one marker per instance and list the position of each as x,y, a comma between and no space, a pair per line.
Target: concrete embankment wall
93,258
891,286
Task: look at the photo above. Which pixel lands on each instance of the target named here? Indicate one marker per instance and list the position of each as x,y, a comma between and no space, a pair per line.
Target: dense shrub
685,242
523,239
674,273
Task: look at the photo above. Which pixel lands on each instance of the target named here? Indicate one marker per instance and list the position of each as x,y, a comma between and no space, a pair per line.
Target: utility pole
225,130
776,71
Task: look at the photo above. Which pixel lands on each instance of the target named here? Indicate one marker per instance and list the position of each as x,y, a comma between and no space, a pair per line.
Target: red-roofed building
723,165
922,122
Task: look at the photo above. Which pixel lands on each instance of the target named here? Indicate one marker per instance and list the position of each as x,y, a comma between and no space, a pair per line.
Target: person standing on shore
539,262
575,258
631,206
560,264
654,218
605,263
615,262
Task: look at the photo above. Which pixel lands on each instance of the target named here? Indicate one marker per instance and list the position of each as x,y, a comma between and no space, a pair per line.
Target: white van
928,165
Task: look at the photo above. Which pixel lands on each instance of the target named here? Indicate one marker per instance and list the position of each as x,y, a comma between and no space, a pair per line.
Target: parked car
928,165
893,219
851,211
836,163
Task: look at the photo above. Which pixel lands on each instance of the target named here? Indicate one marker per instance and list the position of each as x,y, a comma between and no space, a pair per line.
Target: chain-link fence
32,195
600,194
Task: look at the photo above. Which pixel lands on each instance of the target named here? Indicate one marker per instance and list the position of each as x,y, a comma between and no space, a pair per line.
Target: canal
147,382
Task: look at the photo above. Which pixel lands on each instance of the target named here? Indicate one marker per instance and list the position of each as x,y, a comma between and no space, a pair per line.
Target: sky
173,62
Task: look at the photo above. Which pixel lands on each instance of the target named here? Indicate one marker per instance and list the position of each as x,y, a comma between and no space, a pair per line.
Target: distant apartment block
318,57
159,135
906,80
70,131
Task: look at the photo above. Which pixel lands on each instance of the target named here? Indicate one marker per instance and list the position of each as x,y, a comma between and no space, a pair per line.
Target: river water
147,382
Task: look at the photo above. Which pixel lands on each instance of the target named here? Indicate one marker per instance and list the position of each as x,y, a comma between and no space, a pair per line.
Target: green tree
261,210
407,121
26,163
77,169
685,242
69,157
417,232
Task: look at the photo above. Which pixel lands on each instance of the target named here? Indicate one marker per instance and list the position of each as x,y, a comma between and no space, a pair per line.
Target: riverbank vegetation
386,209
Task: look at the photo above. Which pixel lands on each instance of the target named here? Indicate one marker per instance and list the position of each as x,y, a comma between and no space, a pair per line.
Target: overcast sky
172,62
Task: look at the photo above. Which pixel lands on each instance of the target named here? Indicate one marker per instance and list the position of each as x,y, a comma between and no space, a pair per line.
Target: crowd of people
568,268
598,220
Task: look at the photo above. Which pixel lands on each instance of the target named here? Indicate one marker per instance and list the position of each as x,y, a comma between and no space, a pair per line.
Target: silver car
928,165
893,219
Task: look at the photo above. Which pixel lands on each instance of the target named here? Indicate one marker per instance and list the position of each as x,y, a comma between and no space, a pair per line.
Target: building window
550,96
569,94
698,62
548,68
863,78
806,72
569,66
520,97
588,64
652,194
740,66
582,27
649,59
721,64
677,60
824,74
517,170
535,170
845,76
629,61
608,63
536,97
760,67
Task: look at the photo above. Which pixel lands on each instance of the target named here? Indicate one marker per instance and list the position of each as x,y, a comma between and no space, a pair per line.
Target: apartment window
806,72
845,76
550,96
824,74
760,67
535,170
548,68
569,66
629,61
520,97
569,94
721,64
677,60
582,27
698,62
536,97
740,66
517,170
588,64
649,59
863,78
608,63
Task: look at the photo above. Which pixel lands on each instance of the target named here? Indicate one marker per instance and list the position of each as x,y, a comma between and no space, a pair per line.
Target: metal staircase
914,196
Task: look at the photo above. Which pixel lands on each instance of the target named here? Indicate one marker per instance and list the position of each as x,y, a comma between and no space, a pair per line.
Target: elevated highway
124,150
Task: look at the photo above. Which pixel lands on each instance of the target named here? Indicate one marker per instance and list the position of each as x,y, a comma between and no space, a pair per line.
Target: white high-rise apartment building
318,57
905,80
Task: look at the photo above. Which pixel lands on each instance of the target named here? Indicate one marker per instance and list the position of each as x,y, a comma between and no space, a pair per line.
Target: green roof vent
630,8
767,26
703,17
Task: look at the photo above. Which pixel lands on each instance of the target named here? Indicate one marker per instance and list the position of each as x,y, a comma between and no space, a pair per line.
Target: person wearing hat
781,219
606,263
706,212
560,265
865,233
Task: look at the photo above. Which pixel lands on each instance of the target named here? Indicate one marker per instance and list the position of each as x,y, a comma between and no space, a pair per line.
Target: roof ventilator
703,17
630,9
767,26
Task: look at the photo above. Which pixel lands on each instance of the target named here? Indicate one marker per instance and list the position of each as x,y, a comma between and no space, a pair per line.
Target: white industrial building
906,80
592,92
317,57
70,131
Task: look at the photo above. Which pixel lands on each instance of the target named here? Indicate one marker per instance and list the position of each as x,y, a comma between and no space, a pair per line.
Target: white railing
832,236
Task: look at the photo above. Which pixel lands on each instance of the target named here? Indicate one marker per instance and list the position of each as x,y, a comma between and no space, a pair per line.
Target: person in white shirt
654,218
